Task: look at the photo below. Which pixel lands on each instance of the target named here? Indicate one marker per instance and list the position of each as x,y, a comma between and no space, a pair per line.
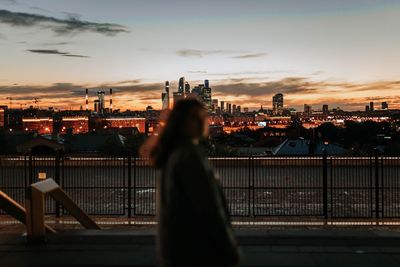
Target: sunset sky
341,53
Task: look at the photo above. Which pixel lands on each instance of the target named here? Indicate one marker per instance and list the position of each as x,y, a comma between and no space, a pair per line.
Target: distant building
325,109
2,118
101,107
126,122
385,106
366,108
229,108
43,125
302,146
76,125
214,104
246,110
222,106
307,109
165,97
277,104
206,94
187,88
371,106
177,96
181,85
96,106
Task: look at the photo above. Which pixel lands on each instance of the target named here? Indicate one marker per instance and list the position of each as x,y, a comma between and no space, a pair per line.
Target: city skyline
340,54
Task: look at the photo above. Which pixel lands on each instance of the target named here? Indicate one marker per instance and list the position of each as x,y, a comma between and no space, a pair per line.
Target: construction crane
36,100
10,98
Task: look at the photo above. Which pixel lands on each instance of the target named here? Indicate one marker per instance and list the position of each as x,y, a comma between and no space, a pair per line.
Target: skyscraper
371,106
187,88
206,83
87,99
277,103
96,106
325,109
229,108
181,85
222,106
111,100
165,97
206,94
307,109
100,95
214,104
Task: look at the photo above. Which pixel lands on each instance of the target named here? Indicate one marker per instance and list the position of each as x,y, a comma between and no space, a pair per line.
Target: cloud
201,53
8,2
197,71
289,85
59,26
254,55
137,94
55,52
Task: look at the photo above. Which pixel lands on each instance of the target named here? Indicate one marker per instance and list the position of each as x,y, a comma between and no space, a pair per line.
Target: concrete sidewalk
260,248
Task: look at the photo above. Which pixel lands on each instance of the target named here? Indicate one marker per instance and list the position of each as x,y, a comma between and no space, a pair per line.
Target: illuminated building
277,104
126,122
42,125
76,125
96,106
165,97
187,88
307,109
177,96
111,100
181,85
214,104
87,99
325,109
222,106
101,106
206,96
1,118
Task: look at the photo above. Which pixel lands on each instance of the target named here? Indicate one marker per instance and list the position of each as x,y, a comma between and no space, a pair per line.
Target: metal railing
320,187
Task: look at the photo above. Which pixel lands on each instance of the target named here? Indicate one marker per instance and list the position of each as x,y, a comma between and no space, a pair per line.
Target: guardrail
35,199
311,187
15,210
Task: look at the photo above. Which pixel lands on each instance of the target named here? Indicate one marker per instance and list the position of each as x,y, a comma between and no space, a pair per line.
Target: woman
193,221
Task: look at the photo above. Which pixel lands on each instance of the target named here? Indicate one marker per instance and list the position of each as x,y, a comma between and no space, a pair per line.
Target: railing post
129,186
57,179
251,188
325,183
376,163
30,167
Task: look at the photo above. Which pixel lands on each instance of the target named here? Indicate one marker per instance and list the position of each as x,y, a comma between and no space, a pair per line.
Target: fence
321,187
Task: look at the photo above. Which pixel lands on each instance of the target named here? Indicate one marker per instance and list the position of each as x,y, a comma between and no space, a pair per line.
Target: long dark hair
174,133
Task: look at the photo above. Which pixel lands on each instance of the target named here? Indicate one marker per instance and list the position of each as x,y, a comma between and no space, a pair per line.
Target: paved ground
338,248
